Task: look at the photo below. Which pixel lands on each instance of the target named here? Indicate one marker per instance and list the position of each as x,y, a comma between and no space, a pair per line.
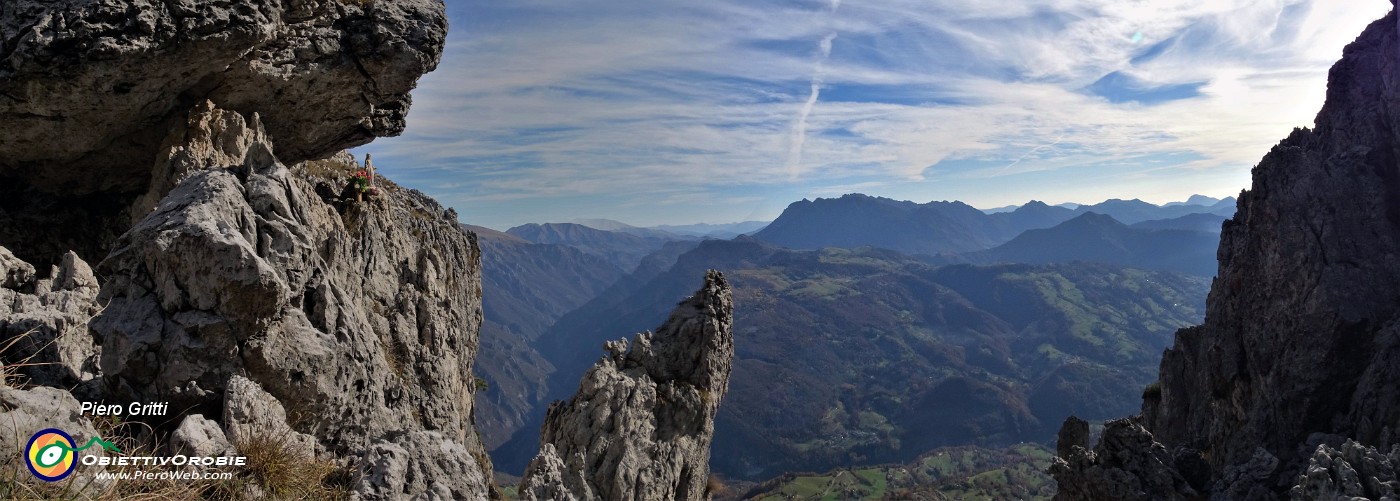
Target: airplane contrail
1034,151
799,129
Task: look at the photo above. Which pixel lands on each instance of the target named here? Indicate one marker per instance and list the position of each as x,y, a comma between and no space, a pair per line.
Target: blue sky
675,112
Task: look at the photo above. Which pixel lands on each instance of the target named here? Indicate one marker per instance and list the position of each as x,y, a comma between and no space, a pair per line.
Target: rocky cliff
642,421
360,319
113,77
1300,349
235,282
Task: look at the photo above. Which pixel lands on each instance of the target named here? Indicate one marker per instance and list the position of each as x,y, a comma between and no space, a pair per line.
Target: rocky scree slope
113,77
1300,349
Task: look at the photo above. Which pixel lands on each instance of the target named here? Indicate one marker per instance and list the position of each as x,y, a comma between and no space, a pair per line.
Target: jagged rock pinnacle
642,421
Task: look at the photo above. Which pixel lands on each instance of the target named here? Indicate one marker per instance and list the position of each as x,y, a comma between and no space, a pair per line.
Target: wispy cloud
546,109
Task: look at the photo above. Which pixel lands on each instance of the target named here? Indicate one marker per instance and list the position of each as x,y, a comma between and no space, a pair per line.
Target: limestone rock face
423,465
1302,331
249,287
251,414
15,274
546,474
90,88
1073,433
642,421
48,325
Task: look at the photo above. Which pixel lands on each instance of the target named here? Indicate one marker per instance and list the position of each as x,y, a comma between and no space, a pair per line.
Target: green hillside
869,356
952,473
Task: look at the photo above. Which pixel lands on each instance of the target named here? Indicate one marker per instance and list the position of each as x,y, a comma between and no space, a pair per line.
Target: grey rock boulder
1073,433
14,273
25,412
547,472
251,414
46,331
200,436
90,89
74,274
1248,480
641,423
422,465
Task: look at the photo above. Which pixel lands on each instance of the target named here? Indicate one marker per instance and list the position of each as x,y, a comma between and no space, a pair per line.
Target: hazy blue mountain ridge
622,249
931,228
525,288
1102,239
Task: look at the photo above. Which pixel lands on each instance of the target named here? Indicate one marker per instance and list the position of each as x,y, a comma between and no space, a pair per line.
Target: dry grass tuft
280,473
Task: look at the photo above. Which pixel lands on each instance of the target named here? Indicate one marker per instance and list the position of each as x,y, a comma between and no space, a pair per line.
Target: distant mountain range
857,220
623,249
966,472
526,287
1099,238
622,244
860,319
1207,222
874,379
725,230
1211,203
1200,200
935,228
729,230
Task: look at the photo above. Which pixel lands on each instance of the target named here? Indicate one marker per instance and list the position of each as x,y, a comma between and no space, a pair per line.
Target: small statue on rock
362,181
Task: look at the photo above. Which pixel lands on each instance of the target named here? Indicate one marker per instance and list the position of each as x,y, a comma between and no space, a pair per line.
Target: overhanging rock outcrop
90,88
1301,342
642,421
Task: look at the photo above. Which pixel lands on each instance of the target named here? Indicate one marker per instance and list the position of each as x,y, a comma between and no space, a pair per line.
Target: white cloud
541,100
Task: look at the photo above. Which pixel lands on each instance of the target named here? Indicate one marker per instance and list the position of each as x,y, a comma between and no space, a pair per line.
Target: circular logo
49,455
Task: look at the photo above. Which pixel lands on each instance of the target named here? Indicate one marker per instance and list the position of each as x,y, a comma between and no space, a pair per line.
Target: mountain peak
1201,200
603,224
1094,219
